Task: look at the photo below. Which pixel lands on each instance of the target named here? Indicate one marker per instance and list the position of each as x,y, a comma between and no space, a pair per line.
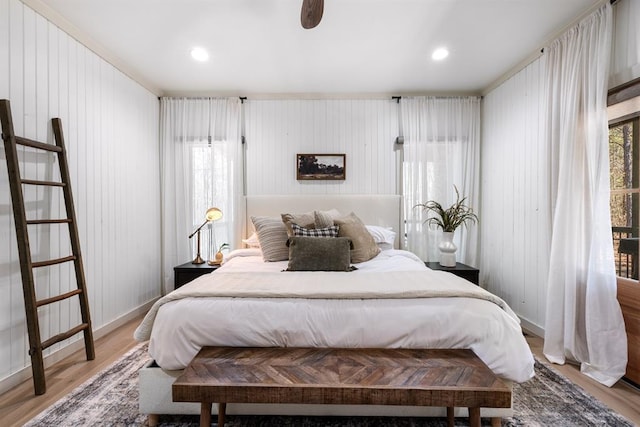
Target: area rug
110,398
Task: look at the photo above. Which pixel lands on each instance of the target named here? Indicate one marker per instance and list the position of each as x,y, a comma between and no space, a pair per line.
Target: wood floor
20,404
622,397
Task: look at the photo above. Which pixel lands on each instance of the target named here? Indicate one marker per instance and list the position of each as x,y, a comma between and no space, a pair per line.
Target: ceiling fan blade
311,13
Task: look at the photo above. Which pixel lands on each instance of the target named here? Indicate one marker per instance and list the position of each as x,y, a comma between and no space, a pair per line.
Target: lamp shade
213,214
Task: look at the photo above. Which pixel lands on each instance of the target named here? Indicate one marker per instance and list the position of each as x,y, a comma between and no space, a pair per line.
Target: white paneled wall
625,53
364,130
515,206
111,132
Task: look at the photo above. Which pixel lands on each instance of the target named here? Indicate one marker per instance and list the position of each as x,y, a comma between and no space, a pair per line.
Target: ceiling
359,47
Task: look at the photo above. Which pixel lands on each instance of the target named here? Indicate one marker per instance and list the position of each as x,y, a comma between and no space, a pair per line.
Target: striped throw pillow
272,236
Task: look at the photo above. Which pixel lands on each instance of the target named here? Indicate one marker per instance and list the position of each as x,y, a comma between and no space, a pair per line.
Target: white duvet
390,301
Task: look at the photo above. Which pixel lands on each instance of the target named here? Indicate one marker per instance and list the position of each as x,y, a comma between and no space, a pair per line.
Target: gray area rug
111,399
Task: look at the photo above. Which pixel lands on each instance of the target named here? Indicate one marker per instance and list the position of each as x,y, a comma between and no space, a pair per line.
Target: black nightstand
187,272
460,270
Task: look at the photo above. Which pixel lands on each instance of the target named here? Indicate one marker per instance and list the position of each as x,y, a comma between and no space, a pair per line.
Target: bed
390,300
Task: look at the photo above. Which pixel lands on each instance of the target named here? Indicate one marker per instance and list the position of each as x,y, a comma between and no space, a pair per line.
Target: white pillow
242,253
382,235
252,241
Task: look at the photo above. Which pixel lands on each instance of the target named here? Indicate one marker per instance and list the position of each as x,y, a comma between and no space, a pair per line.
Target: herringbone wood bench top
341,376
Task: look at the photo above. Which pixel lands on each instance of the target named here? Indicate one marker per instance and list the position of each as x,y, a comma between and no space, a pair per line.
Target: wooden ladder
36,345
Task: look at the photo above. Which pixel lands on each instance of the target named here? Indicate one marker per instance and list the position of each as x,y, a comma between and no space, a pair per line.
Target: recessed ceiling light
439,54
199,54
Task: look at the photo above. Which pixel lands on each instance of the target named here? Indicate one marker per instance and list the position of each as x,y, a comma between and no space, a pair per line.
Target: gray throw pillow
325,219
272,236
319,254
364,246
306,220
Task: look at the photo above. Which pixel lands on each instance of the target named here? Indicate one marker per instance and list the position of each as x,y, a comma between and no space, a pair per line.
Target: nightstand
187,272
460,270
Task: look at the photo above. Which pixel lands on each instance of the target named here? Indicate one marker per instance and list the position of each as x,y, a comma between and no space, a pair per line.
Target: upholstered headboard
373,209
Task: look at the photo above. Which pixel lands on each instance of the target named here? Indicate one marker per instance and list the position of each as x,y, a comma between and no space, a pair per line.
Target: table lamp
213,214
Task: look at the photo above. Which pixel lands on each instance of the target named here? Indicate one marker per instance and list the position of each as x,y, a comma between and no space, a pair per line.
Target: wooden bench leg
474,417
205,414
496,422
154,419
450,418
222,409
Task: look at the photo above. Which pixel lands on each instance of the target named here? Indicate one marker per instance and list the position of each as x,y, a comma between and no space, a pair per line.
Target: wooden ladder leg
24,250
75,238
37,369
496,422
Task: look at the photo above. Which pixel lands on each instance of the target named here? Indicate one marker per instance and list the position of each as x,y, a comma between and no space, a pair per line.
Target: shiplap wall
625,54
515,206
111,132
363,129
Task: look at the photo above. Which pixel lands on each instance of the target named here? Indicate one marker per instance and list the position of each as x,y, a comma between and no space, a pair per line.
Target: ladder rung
39,145
63,336
53,261
48,183
57,298
49,221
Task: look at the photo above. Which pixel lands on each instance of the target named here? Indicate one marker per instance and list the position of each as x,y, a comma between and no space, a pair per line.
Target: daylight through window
624,158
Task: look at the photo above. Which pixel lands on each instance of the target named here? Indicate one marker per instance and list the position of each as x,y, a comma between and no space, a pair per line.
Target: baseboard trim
532,328
25,374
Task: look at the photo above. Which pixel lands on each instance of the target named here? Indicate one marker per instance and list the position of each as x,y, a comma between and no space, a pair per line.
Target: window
210,187
624,162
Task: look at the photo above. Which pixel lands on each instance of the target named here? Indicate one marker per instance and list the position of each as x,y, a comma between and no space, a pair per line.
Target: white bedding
395,315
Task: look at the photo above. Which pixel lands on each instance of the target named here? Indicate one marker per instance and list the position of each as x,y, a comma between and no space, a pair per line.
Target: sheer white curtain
201,167
583,320
441,150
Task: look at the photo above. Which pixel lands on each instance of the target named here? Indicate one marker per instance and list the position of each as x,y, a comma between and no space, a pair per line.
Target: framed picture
320,166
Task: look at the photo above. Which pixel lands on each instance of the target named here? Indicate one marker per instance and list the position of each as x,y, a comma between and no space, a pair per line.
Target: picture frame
318,167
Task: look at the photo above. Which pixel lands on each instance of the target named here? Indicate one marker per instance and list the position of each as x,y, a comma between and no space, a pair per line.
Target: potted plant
448,220
219,256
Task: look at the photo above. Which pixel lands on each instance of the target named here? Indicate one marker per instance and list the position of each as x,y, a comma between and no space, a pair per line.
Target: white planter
447,250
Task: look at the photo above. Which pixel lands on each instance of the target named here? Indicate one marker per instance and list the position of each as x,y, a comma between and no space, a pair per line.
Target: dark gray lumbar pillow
319,254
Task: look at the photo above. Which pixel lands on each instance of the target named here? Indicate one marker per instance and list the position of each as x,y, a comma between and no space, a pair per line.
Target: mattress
391,301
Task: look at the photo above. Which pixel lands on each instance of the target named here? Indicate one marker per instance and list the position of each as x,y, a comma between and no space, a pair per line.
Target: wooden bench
444,378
